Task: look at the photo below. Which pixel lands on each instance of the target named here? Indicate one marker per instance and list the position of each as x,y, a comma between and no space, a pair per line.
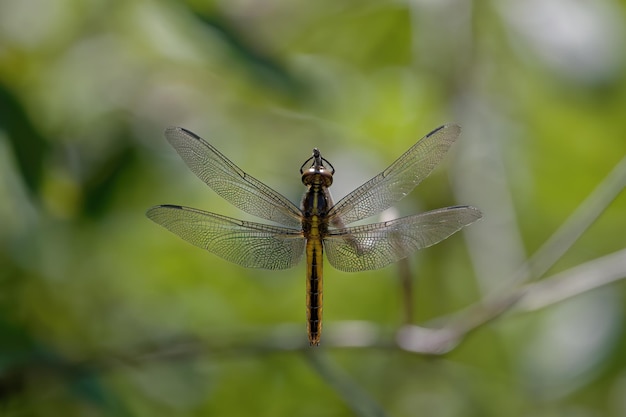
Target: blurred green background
103,313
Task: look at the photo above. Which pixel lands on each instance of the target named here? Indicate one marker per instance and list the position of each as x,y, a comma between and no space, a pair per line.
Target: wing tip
173,131
450,127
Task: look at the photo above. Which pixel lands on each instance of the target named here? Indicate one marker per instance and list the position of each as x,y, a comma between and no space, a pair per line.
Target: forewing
248,244
374,246
229,181
394,183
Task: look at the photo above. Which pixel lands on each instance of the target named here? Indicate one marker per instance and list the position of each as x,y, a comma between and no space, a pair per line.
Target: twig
567,284
584,216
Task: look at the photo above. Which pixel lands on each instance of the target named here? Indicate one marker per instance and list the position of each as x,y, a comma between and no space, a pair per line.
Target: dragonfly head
317,173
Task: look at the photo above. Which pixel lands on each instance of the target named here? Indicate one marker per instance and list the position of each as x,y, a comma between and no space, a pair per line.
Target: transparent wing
248,244
230,182
374,246
394,183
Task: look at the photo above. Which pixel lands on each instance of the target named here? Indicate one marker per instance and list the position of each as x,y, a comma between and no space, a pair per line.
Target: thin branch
584,216
573,282
567,284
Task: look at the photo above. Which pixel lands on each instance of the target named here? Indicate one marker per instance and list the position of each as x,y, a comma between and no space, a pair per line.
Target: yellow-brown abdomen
314,293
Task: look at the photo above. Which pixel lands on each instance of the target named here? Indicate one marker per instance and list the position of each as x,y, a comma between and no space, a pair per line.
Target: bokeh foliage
104,313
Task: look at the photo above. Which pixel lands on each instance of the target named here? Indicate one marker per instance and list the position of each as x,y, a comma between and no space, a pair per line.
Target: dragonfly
318,225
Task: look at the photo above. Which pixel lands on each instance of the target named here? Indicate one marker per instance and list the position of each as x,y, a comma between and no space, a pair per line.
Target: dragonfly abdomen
314,292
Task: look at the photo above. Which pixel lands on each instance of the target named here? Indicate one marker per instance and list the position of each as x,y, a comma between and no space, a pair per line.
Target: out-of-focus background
103,313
